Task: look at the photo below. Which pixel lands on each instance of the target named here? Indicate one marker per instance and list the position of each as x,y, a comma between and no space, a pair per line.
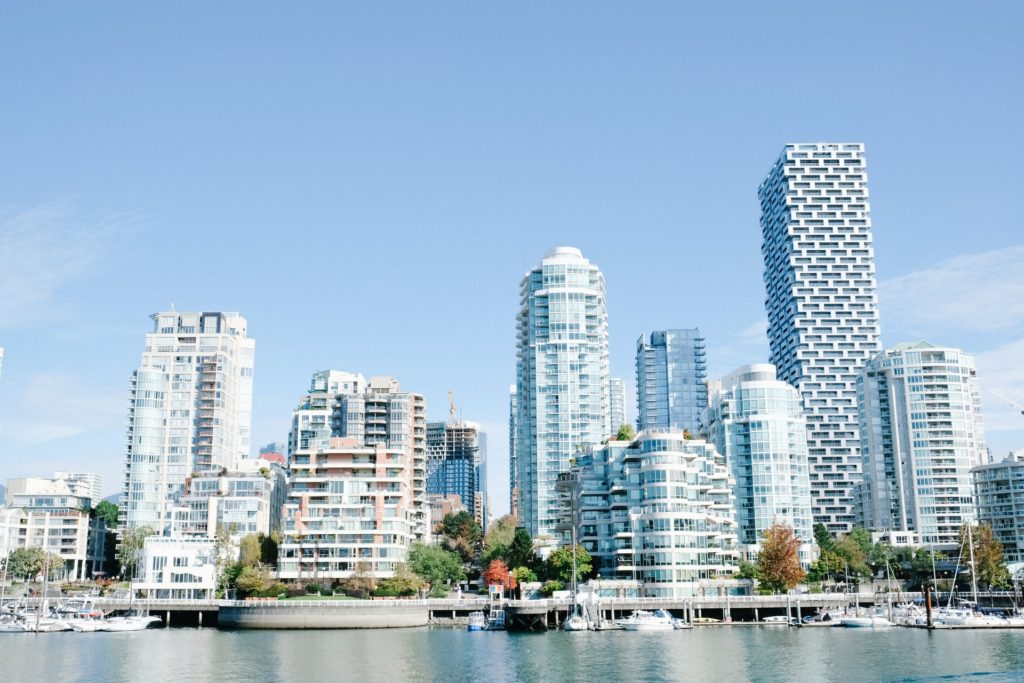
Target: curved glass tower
757,422
562,384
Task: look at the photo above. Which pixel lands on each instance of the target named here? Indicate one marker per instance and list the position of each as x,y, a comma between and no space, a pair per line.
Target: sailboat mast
974,573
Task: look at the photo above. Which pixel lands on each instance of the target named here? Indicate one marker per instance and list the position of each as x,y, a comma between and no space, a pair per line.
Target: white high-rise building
819,272
562,388
190,410
757,423
616,403
921,433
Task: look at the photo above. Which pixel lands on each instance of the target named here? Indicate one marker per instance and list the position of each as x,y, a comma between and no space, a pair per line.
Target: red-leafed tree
497,574
778,563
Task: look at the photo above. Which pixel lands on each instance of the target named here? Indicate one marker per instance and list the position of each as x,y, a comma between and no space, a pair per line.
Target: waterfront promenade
522,614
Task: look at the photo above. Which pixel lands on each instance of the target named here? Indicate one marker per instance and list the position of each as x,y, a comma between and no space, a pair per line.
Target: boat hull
647,627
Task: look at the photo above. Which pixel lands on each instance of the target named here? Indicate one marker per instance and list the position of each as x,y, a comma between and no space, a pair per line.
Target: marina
88,614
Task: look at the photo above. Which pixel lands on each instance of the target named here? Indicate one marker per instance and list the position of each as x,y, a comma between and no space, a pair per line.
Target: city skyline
243,203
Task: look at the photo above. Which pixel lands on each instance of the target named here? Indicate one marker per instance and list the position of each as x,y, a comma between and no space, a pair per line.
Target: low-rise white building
177,568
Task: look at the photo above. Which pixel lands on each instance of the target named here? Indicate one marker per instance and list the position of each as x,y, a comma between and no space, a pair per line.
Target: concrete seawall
340,614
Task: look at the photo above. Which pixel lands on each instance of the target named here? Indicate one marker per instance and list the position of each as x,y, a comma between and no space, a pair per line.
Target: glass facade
757,423
921,433
454,459
671,380
190,410
660,509
999,493
562,388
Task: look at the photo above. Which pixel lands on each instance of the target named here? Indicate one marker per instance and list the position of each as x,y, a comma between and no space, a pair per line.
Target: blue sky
367,184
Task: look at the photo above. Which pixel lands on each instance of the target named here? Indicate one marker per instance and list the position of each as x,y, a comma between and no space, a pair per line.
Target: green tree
251,580
498,539
249,554
435,565
225,553
268,548
923,561
778,562
462,534
559,564
853,555
881,557
747,570
990,566
862,537
626,433
402,584
524,574
828,567
25,563
106,511
132,540
823,538
550,587
520,552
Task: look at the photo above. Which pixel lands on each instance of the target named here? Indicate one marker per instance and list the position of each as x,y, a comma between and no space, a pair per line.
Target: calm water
436,654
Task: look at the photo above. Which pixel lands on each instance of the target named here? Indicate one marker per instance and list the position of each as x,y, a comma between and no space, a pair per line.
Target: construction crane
1010,401
451,407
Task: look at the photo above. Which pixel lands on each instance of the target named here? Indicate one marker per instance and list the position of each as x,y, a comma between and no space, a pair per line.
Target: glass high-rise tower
671,380
562,386
757,423
190,410
617,403
819,273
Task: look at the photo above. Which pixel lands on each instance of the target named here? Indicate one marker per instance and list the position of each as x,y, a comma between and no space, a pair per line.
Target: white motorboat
87,625
876,618
12,625
131,623
965,616
642,620
46,625
777,620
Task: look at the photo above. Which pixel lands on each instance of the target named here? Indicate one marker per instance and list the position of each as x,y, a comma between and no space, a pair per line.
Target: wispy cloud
980,292
43,249
1001,371
738,348
57,406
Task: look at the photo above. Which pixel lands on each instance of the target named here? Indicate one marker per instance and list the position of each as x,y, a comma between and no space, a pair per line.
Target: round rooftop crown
564,252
